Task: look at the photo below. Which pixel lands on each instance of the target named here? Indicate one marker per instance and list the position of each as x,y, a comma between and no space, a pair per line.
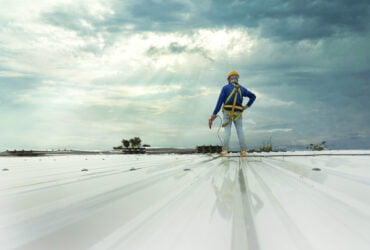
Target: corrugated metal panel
185,202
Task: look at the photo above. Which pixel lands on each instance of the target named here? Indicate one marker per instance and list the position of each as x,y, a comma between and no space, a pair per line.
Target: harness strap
230,106
233,116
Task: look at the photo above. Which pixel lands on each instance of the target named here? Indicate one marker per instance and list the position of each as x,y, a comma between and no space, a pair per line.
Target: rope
218,130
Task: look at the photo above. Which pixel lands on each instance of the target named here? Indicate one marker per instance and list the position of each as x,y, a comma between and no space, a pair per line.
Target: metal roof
185,202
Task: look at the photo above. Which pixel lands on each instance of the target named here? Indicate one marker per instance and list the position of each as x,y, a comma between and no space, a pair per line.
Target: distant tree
132,142
317,147
146,145
266,146
126,143
137,142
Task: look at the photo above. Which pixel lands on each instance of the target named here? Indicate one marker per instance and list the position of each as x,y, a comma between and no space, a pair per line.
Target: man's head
233,77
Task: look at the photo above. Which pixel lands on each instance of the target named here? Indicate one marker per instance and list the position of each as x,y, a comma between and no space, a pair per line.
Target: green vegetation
265,147
126,143
317,147
133,143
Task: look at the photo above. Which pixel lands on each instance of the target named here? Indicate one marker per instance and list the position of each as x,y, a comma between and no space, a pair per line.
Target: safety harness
236,110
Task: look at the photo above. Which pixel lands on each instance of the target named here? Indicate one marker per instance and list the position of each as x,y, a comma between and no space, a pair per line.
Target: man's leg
227,132
240,133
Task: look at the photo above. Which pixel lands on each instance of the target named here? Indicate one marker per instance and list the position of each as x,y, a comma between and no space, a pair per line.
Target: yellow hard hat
232,73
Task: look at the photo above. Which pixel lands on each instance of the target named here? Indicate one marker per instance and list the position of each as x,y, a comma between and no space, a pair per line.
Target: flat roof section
191,201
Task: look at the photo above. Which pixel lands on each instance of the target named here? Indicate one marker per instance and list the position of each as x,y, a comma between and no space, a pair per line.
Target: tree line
133,143
317,147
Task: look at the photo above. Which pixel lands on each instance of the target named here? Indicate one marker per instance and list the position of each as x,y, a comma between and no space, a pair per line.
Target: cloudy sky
86,74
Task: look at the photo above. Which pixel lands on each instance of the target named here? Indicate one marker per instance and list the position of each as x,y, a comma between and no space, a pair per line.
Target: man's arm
250,95
220,101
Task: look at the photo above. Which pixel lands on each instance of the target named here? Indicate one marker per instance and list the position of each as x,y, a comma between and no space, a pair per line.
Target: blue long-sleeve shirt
225,92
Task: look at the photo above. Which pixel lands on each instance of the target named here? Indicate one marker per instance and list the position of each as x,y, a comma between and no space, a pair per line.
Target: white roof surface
185,202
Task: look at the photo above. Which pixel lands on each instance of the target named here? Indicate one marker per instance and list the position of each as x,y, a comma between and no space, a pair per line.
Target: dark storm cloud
153,11
149,15
282,19
293,19
70,18
176,48
329,106
139,15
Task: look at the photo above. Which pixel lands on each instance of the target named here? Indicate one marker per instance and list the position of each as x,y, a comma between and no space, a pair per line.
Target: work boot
243,153
223,153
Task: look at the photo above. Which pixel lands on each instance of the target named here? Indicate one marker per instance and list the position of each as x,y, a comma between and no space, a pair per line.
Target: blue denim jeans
239,130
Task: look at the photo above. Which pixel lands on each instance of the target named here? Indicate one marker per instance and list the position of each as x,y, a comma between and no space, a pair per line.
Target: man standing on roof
231,97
